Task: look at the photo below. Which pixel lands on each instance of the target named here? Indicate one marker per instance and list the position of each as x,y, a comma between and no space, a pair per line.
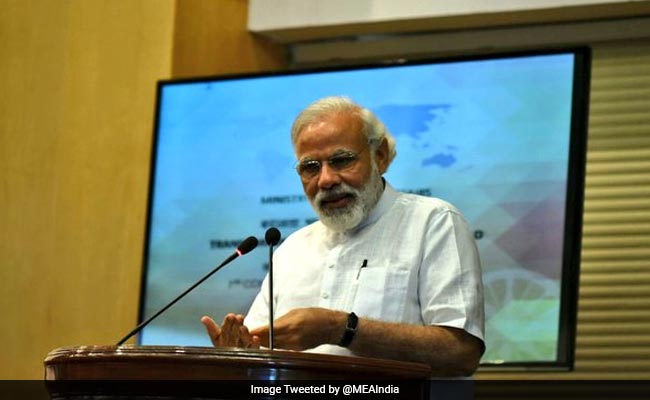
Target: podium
148,372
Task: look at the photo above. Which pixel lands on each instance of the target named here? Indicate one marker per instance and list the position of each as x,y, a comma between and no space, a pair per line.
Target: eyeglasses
339,161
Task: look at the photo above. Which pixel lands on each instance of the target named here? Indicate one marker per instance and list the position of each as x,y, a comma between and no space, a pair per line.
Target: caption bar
331,389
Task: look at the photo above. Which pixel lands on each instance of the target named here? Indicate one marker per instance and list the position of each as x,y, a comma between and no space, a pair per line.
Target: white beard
364,200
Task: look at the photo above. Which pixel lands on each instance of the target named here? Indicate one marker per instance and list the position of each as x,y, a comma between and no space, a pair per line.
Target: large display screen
501,137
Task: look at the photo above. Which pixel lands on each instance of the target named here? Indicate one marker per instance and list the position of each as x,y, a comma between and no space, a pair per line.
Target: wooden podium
211,373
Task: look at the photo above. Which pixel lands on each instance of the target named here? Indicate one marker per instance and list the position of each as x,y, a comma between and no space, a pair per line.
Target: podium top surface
184,362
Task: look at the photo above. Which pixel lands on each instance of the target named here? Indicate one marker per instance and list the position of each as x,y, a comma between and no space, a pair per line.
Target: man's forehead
319,147
343,125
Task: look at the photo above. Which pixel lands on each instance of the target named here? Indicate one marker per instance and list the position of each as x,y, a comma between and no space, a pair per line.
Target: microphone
272,237
244,247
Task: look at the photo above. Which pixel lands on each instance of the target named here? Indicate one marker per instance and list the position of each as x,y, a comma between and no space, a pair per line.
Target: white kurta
413,260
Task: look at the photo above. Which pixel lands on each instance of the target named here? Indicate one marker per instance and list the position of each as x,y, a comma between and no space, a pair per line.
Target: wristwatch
350,330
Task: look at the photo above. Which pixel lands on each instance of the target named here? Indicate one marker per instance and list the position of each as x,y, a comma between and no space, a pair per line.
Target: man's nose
328,177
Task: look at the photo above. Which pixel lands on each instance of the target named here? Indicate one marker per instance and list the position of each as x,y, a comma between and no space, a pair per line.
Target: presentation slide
490,136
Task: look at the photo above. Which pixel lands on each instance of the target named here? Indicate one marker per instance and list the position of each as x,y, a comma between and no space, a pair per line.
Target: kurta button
325,295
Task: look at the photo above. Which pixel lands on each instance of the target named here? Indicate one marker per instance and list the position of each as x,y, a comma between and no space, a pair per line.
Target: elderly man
381,274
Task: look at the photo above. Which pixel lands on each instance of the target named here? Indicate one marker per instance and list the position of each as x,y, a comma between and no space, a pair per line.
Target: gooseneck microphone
244,247
272,238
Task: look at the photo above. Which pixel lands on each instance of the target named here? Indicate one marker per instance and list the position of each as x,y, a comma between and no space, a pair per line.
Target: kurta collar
385,202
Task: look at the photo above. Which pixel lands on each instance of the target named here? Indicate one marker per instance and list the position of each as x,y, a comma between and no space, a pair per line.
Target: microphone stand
271,296
247,245
272,237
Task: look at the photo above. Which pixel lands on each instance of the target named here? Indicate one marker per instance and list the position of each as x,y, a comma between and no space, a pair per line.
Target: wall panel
211,38
76,107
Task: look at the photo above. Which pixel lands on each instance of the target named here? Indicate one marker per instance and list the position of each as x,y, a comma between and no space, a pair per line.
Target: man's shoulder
431,205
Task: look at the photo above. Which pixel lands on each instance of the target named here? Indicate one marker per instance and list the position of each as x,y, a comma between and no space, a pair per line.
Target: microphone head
247,245
272,236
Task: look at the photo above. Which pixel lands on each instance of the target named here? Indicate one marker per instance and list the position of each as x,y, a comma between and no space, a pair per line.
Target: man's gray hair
373,128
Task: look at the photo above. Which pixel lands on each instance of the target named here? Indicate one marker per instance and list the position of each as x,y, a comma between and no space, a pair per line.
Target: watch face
350,330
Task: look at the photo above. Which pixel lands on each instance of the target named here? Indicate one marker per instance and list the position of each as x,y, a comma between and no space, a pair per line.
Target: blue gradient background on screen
490,136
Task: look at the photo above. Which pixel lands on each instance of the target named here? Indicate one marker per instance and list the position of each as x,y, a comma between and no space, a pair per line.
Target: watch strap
350,330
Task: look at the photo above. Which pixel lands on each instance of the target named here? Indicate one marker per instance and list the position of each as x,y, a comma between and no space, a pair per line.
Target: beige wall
76,108
77,96
210,37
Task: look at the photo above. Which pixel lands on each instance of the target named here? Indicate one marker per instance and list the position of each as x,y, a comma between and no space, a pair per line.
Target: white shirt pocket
381,292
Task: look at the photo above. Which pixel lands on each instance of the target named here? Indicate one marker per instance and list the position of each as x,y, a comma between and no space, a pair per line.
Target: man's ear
381,156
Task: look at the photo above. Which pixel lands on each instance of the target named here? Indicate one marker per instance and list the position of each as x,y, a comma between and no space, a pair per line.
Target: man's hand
304,328
232,333
449,351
